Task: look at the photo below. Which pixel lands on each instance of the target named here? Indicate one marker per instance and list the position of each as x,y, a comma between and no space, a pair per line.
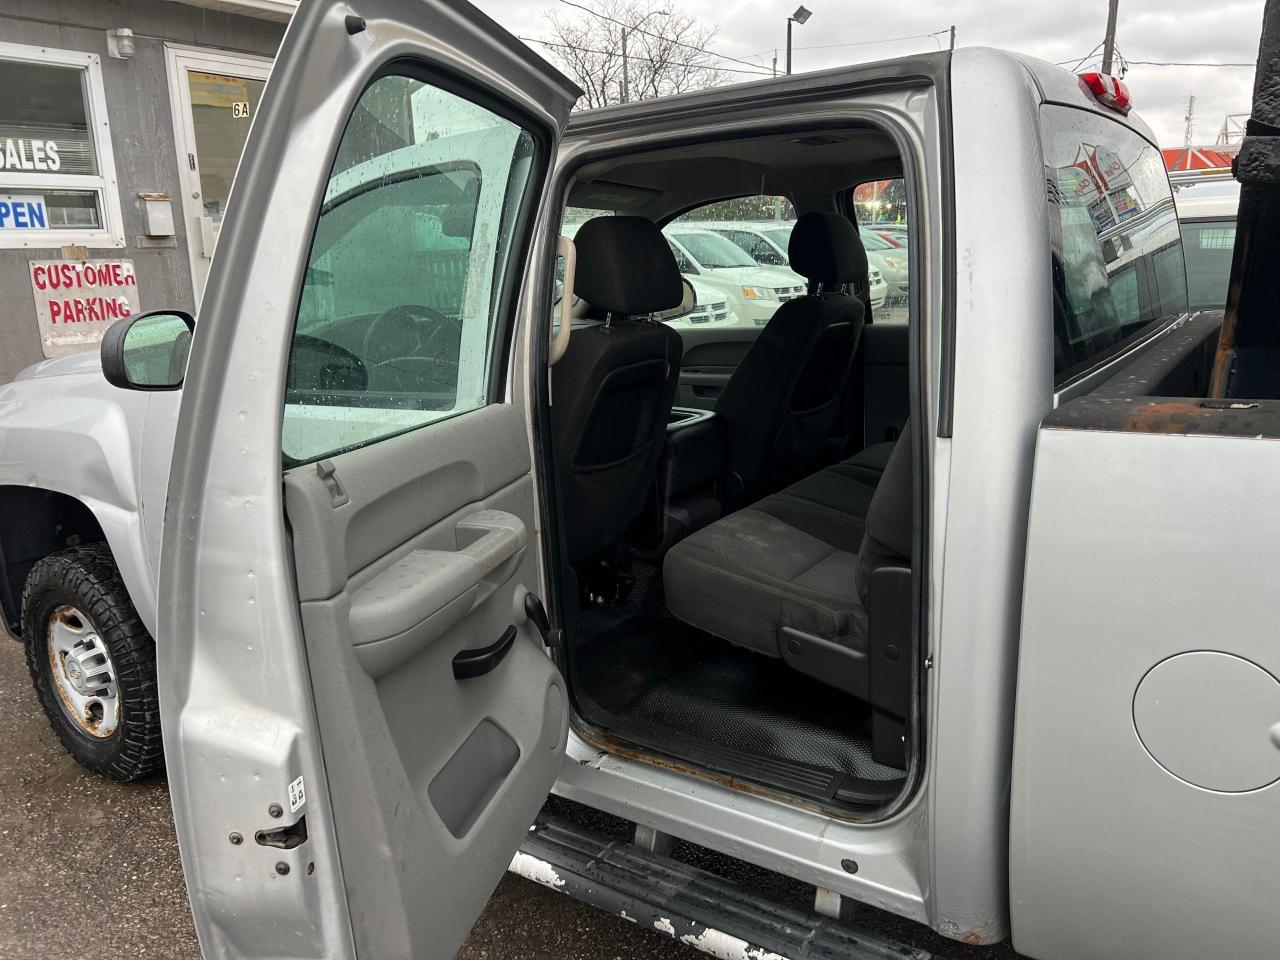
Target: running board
701,909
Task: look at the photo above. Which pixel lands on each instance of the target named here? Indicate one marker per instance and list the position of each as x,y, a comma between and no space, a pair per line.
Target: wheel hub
83,673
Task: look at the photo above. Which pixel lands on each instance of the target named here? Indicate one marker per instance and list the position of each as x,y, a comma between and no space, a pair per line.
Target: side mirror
149,351
684,308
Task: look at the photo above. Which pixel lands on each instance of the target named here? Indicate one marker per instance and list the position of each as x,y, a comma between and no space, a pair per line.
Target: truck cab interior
736,503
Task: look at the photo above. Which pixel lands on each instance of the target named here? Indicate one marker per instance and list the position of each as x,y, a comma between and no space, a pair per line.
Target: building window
57,176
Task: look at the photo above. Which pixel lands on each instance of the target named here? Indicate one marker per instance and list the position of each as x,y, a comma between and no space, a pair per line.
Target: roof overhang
278,10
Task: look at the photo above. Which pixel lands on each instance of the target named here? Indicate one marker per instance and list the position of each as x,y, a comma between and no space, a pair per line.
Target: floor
644,675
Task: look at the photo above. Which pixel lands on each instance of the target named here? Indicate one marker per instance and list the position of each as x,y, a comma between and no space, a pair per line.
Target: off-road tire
87,579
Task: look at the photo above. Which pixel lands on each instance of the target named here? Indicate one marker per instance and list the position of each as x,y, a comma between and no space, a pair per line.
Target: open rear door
361,719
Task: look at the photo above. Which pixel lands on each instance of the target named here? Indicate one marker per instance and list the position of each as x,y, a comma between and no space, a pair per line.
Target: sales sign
76,300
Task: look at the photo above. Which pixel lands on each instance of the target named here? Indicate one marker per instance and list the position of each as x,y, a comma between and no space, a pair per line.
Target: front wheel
93,663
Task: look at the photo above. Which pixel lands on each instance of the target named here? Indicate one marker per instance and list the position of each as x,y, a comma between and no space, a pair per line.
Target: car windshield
779,235
1208,246
714,251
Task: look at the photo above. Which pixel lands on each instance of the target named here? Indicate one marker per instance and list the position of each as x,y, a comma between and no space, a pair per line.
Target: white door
215,96
360,716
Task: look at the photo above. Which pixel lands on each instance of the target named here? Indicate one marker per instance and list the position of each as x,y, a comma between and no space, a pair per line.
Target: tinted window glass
1115,247
399,314
1208,246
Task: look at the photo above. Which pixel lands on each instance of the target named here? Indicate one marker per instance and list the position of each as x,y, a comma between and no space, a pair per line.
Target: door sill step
701,909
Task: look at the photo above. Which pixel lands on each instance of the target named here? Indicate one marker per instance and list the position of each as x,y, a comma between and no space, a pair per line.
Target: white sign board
76,300
23,212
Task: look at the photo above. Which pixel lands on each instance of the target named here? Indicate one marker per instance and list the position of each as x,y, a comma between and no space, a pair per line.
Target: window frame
111,235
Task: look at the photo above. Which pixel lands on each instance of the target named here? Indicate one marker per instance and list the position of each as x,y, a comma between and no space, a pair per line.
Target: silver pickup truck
970,618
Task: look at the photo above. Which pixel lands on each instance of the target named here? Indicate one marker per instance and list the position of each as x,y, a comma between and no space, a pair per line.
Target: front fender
79,436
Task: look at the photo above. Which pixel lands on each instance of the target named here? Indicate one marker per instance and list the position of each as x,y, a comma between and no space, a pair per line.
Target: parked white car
766,244
753,290
711,305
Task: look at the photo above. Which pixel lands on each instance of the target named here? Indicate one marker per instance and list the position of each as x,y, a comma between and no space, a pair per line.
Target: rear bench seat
790,575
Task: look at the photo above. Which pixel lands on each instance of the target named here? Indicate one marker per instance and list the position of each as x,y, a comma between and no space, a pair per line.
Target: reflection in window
400,304
1117,254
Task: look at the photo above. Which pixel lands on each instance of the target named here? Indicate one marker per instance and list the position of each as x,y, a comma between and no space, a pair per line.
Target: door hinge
328,475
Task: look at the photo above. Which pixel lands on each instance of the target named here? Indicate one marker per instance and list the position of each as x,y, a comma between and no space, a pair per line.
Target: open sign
19,212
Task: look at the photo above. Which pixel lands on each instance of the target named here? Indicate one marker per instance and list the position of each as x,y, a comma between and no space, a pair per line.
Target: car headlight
759,293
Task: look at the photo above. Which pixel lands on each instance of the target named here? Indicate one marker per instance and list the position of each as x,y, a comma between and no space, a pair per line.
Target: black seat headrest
625,266
825,248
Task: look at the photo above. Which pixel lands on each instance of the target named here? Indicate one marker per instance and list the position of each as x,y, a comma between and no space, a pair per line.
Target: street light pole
626,76
800,16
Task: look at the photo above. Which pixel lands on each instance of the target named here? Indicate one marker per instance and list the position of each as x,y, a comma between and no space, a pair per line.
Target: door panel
429,774
409,498
711,355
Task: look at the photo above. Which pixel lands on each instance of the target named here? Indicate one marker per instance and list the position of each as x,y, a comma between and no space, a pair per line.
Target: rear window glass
1208,245
1116,251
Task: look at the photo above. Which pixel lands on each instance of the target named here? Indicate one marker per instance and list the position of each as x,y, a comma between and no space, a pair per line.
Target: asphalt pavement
90,868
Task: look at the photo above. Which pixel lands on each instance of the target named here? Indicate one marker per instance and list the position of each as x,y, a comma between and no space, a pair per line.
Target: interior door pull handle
479,661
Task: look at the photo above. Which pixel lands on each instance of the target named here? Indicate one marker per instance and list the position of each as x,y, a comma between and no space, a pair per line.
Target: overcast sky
1054,30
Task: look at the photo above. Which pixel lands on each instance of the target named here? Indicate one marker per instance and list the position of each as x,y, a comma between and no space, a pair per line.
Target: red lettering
37,275
55,311
125,309
95,308
68,275
117,277
68,312
79,308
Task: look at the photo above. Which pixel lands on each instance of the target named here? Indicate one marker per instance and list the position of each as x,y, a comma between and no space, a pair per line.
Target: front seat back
783,401
613,388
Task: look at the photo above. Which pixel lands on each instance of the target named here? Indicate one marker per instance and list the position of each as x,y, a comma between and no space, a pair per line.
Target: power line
1177,63
610,53
658,36
1151,63
862,43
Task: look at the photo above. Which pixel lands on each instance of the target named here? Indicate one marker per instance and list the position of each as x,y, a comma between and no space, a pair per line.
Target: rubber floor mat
639,672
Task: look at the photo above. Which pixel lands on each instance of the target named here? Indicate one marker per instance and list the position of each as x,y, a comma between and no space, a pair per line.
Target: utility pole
1109,42
626,79
1191,120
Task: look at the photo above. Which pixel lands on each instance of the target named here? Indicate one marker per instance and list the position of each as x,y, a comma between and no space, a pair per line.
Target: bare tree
666,52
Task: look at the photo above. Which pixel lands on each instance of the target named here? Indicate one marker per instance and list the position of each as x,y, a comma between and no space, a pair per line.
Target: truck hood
75,364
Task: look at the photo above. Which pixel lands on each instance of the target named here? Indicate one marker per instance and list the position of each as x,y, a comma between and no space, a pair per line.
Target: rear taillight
1108,91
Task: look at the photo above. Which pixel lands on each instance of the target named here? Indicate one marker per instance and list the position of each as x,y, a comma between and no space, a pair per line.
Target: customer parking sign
76,300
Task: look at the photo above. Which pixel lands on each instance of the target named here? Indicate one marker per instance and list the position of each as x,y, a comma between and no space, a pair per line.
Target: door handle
478,661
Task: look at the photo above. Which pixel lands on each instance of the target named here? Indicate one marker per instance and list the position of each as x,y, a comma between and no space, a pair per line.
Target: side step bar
714,915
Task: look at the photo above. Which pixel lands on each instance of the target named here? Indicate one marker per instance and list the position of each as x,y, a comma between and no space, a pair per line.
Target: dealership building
121,123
